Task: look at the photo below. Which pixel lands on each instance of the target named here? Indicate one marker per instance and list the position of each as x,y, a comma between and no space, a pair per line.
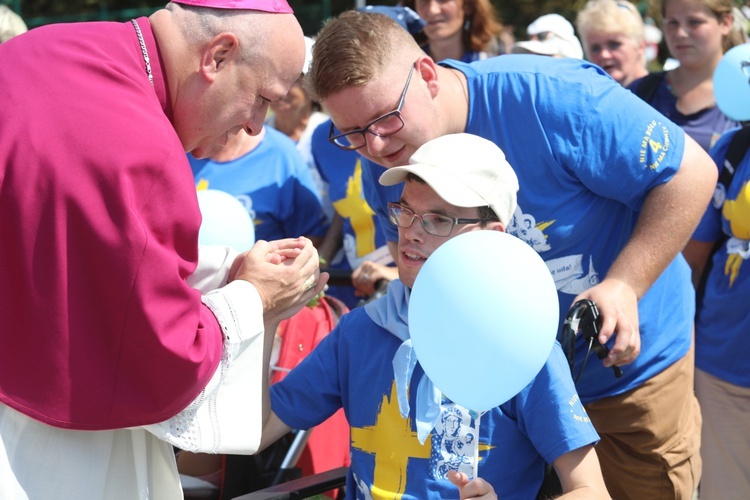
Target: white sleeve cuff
226,417
213,267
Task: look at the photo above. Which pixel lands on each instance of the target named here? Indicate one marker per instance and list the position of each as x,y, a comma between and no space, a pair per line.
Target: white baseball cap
551,22
11,24
465,170
309,44
560,40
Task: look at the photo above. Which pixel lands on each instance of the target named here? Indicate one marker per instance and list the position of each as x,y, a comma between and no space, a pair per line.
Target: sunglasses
584,318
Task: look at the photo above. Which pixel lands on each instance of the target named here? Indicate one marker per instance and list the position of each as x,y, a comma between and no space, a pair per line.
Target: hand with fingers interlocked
285,272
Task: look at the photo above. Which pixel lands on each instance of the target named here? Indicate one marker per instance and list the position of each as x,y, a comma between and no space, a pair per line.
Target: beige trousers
725,440
650,437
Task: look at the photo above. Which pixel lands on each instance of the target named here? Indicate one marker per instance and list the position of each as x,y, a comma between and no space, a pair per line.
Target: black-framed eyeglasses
435,224
383,126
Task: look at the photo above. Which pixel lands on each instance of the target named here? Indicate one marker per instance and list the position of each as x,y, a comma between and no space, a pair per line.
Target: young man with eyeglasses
610,191
453,185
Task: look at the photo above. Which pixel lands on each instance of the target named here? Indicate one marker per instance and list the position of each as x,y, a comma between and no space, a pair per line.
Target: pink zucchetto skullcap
275,6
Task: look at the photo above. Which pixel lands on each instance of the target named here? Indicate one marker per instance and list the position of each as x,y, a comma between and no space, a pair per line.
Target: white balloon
225,221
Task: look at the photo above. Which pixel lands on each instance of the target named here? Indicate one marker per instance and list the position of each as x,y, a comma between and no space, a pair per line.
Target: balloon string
476,447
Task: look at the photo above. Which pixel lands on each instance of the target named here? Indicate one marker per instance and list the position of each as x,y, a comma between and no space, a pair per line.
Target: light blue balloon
225,221
483,317
732,83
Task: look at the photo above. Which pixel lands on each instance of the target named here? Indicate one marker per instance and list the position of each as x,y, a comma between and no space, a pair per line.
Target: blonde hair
484,26
353,48
720,9
611,16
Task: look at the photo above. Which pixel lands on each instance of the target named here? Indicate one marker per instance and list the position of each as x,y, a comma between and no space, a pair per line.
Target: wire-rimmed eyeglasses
435,224
383,126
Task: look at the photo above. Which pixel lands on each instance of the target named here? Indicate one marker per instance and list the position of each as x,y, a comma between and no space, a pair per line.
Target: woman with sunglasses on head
550,35
697,32
612,33
466,30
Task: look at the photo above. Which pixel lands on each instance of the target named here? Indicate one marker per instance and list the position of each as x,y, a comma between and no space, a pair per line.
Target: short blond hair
612,17
353,48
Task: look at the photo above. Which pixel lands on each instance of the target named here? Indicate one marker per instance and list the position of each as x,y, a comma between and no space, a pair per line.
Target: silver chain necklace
145,52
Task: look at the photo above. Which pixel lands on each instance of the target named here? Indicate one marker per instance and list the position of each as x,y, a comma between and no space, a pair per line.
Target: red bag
302,332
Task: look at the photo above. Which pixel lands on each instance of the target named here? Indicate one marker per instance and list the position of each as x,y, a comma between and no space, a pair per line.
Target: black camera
584,318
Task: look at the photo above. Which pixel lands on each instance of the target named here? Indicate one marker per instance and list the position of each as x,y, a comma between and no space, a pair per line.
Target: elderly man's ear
222,48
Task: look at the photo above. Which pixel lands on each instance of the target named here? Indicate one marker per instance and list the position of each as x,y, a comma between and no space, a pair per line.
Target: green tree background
515,13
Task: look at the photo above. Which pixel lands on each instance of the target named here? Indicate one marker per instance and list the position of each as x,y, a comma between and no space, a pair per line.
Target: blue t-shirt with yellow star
584,171
352,368
721,339
363,239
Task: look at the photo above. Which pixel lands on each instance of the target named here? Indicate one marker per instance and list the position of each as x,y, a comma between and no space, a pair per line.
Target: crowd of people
362,149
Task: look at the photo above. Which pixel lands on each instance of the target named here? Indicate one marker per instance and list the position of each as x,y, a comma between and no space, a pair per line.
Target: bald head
257,31
354,47
223,67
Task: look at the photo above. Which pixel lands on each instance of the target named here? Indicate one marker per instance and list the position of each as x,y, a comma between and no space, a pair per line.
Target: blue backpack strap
737,150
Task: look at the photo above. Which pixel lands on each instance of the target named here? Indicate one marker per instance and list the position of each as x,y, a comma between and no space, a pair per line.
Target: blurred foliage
520,13
311,13
38,12
39,8
515,13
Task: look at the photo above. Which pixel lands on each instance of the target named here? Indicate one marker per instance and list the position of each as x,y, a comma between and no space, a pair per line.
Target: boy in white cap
610,191
102,328
452,185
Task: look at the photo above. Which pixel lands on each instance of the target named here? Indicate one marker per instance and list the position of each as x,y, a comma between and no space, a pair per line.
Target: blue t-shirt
722,342
584,172
275,185
352,368
363,239
705,126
